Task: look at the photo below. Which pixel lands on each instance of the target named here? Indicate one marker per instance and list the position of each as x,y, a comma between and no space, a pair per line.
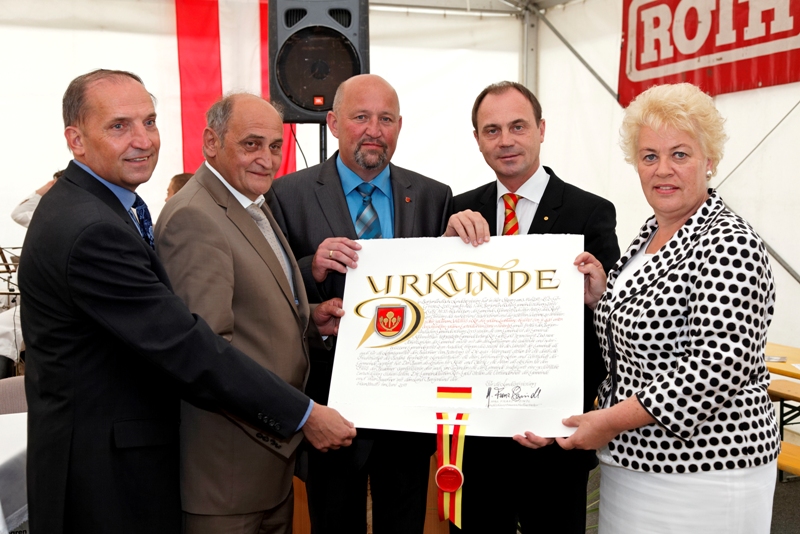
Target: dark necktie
145,221
367,224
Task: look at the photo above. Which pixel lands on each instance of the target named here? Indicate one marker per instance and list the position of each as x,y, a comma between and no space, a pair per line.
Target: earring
709,173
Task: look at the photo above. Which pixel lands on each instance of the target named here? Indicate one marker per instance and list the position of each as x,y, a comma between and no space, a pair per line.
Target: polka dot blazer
686,335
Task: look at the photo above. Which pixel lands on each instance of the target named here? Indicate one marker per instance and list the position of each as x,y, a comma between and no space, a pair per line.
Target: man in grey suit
359,194
229,263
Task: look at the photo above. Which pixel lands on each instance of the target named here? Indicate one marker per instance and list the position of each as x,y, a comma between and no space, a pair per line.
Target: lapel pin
408,199
546,218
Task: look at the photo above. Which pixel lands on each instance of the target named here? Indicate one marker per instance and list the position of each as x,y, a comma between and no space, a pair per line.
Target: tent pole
540,15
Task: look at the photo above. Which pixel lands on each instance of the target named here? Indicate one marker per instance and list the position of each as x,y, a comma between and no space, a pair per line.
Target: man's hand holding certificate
437,331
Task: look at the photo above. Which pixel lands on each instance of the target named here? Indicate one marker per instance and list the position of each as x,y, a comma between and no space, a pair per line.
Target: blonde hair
681,106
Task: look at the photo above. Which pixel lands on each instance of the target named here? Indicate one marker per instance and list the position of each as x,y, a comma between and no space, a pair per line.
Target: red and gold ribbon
449,477
510,223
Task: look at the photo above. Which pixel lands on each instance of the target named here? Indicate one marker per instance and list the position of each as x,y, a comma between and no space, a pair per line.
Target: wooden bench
785,391
789,458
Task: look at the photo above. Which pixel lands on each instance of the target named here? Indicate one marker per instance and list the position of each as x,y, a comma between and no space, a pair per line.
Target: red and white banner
222,47
722,46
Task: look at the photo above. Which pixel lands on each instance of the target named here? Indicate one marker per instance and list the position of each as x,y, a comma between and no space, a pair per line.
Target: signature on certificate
512,395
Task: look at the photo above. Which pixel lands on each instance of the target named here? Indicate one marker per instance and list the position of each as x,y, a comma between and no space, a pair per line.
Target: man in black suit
544,489
110,347
321,211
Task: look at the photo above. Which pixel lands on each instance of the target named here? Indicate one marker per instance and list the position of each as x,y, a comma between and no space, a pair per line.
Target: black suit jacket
109,350
310,206
565,209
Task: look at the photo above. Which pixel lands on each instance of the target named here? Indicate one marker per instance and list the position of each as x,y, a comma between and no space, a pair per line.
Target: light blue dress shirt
125,196
382,199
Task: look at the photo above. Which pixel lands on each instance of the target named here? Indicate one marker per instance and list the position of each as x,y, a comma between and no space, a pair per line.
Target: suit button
260,416
260,435
277,426
271,422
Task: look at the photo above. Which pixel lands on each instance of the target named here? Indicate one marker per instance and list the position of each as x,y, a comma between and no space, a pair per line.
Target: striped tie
367,224
510,224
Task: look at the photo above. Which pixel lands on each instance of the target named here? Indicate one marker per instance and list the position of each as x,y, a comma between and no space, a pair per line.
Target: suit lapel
547,211
487,206
249,229
672,253
333,205
302,306
89,183
404,203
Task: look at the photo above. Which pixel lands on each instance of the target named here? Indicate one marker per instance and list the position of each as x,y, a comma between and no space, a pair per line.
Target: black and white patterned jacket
688,334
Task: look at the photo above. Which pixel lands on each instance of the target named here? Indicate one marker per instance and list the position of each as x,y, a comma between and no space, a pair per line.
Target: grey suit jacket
223,267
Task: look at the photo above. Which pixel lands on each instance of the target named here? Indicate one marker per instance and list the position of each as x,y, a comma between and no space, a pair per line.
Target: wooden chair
8,268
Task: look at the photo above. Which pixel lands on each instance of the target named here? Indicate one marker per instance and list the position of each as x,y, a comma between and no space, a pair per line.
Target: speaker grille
312,63
342,16
293,16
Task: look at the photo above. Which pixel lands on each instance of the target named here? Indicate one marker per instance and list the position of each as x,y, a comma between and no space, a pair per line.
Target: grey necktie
266,229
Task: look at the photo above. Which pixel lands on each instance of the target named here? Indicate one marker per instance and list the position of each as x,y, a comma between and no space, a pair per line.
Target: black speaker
315,45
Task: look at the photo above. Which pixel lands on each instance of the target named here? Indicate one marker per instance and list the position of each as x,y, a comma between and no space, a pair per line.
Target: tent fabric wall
582,143
438,63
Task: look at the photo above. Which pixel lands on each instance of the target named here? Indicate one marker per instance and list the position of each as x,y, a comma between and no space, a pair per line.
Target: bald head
243,142
370,83
366,120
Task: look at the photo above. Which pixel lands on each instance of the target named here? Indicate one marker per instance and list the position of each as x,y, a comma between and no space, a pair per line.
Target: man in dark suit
110,347
544,489
245,283
359,194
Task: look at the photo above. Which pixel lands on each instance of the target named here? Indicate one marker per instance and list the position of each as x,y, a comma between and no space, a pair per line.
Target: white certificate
490,335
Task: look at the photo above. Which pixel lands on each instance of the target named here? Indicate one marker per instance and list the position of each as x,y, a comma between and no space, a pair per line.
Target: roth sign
720,45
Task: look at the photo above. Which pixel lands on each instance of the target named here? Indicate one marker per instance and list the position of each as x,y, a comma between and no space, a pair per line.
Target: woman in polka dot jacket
686,433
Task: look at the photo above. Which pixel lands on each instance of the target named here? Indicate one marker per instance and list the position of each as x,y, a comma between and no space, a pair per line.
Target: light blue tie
367,224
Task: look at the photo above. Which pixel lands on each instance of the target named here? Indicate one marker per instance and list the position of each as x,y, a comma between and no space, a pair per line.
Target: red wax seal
449,478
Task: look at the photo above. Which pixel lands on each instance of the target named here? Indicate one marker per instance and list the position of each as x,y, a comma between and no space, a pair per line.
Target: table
13,453
792,356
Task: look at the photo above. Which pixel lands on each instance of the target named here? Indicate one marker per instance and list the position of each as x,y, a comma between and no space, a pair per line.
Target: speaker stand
323,142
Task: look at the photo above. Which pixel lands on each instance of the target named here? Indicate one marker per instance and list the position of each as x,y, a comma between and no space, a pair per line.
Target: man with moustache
528,198
227,260
110,348
359,194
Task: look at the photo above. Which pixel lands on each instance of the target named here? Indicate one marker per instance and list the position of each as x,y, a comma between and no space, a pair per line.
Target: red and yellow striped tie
510,224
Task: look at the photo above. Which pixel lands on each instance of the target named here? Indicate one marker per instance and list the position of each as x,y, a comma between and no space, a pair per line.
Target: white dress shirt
530,195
